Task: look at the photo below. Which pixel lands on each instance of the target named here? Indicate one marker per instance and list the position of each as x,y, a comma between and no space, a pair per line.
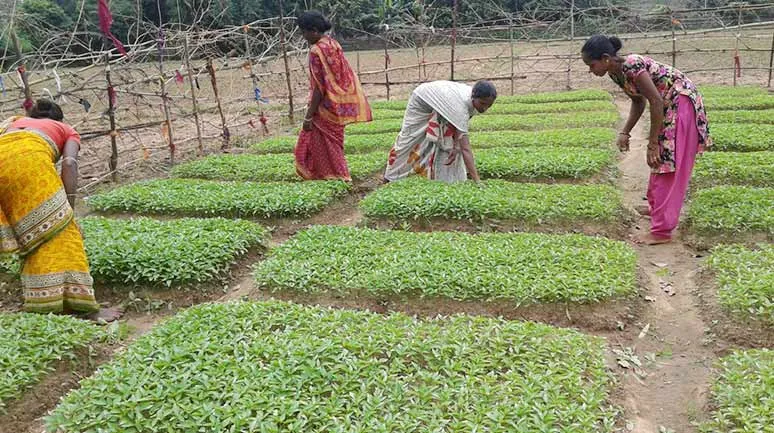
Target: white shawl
452,101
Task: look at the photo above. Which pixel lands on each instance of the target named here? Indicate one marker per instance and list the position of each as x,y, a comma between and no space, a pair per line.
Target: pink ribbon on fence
105,21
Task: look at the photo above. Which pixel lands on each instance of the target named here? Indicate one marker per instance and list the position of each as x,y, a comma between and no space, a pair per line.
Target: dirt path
672,391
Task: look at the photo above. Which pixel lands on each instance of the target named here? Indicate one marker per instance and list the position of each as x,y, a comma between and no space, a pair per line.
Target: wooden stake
454,37
113,163
674,41
771,59
254,78
386,65
22,72
213,80
513,61
187,56
285,59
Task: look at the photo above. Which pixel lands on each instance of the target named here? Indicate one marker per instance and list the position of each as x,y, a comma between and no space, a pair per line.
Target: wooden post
386,64
569,72
254,78
572,20
674,41
113,163
187,56
513,61
357,54
736,43
454,37
22,72
213,80
285,59
771,59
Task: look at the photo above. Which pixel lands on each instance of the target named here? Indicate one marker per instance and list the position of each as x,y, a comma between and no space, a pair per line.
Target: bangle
308,119
625,133
72,195
70,158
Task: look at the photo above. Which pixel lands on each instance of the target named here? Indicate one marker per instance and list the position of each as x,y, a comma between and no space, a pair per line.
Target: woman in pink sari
678,126
336,99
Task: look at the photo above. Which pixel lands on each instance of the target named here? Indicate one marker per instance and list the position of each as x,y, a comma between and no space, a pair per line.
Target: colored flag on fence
105,21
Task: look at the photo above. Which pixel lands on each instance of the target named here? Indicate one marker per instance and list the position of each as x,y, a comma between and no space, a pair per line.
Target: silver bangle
70,158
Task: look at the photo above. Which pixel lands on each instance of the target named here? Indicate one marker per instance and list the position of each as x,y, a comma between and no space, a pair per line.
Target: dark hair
599,45
46,109
313,21
484,89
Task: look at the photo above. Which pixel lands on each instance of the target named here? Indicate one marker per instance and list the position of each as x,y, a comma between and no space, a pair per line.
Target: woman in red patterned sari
336,99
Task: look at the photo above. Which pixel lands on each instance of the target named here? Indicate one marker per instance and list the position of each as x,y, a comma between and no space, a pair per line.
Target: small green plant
416,198
30,345
269,168
148,251
741,116
745,278
732,210
502,107
542,163
742,393
208,198
742,137
9,264
759,102
732,168
279,367
524,268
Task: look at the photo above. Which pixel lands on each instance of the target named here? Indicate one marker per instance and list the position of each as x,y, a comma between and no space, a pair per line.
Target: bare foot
105,315
649,239
643,209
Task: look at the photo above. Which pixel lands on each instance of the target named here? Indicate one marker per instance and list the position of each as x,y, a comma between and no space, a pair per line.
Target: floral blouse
670,83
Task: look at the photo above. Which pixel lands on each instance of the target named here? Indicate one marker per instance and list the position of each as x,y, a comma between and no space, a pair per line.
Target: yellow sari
36,222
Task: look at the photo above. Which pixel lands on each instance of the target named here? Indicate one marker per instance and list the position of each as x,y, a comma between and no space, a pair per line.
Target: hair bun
615,42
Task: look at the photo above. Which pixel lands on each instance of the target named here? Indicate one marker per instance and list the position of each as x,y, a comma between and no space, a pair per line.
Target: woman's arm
467,156
649,91
635,112
70,170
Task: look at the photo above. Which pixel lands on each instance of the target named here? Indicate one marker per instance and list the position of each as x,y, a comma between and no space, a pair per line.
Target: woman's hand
623,142
653,155
452,157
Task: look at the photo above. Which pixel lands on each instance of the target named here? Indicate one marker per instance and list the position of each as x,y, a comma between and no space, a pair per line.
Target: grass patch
533,163
268,168
745,279
525,268
761,102
275,367
352,144
742,137
578,137
533,98
31,343
742,393
733,168
732,210
507,122
208,198
417,198
180,251
765,117
715,91
520,108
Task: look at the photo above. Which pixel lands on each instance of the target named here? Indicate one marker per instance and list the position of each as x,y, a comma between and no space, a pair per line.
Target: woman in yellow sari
36,213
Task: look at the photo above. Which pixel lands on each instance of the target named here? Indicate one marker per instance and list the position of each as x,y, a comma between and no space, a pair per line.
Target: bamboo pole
736,43
214,81
513,61
285,59
674,41
454,36
386,64
113,162
27,104
187,57
771,59
264,128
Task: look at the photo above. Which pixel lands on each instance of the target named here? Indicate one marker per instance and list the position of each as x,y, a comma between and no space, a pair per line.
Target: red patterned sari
320,152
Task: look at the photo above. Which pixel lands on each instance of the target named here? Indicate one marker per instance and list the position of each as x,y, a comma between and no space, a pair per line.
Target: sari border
43,222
